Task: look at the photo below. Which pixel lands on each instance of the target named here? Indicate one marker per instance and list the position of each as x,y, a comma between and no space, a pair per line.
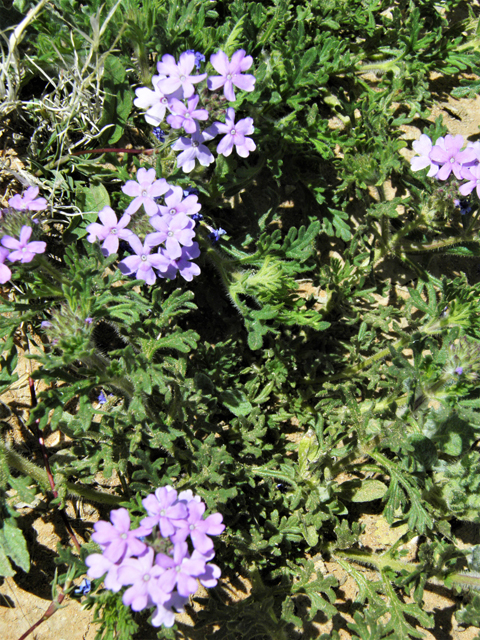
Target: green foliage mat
290,413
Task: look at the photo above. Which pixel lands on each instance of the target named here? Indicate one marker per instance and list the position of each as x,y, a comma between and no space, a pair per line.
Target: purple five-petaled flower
98,564
176,203
145,189
235,135
142,262
184,265
173,231
450,158
155,102
111,231
143,575
231,73
199,529
472,174
180,571
193,149
22,250
178,75
186,115
163,510
116,538
29,201
423,147
164,614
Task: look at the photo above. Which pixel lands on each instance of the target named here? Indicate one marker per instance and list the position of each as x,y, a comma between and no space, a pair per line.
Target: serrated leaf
418,301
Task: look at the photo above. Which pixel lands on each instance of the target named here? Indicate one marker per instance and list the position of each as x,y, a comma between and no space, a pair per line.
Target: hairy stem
21,464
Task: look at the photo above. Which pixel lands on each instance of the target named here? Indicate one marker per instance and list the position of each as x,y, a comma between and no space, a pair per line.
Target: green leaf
237,402
362,491
418,301
235,37
96,197
13,545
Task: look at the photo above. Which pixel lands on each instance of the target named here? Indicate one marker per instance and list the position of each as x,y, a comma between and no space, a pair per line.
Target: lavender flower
173,231
230,73
450,158
102,398
193,149
187,269
163,510
167,580
23,251
29,201
117,537
144,576
164,615
235,135
142,263
423,147
185,116
98,564
199,529
145,190
179,75
176,203
110,231
180,571
472,174
155,102
5,273
208,579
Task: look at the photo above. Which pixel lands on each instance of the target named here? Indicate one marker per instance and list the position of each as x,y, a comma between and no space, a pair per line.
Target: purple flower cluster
21,250
449,155
154,560
172,235
174,91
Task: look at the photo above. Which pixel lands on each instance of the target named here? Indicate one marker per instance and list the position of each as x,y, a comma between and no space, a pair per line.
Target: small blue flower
199,58
84,588
196,217
159,134
102,398
190,191
216,234
463,205
459,371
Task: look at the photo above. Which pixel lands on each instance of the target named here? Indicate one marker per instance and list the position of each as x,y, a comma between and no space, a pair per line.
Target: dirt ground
25,597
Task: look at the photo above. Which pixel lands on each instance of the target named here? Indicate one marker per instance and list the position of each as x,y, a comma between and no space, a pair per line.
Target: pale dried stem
13,57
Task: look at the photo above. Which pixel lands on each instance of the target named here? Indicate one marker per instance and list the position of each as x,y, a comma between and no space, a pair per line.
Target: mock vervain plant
250,306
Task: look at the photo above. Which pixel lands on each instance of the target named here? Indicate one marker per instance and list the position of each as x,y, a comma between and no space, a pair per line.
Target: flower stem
21,464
